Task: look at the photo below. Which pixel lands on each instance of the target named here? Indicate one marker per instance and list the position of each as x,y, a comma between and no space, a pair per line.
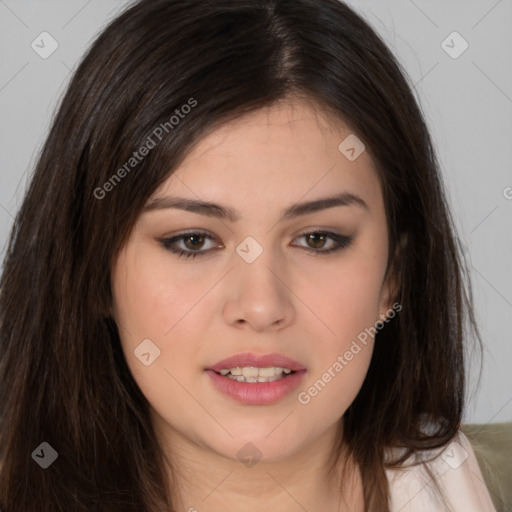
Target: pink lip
257,393
262,361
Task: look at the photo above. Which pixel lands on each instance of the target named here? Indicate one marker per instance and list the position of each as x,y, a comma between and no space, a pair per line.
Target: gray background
467,102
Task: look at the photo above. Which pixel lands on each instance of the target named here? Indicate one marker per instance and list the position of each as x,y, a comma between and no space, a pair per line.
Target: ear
392,282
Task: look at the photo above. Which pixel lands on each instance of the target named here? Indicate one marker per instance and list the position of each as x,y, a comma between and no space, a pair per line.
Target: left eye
194,241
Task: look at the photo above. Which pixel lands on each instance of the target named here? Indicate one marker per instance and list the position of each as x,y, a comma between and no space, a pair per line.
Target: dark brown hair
63,377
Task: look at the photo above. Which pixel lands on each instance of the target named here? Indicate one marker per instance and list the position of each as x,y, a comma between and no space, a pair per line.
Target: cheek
348,309
347,299
150,299
152,302
347,302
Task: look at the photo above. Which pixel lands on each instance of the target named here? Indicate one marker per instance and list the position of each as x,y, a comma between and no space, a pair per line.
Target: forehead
280,154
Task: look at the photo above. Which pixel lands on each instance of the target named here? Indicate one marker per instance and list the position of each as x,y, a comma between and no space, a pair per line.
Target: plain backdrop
466,97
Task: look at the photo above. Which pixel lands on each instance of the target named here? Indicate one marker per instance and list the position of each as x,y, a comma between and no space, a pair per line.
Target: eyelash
341,240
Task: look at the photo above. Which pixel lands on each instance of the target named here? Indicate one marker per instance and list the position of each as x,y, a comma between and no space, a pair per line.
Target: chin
258,448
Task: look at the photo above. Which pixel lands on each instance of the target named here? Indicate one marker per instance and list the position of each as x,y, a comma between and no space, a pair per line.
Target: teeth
253,374
241,378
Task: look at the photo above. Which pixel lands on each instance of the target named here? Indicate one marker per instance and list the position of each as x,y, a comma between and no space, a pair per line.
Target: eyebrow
222,212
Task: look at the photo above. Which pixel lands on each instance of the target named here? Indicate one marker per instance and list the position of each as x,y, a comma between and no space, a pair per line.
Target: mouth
255,374
256,379
244,365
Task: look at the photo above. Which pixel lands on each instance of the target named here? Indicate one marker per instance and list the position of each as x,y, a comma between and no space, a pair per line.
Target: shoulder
456,470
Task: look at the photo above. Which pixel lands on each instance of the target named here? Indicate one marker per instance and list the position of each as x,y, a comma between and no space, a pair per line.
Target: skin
290,300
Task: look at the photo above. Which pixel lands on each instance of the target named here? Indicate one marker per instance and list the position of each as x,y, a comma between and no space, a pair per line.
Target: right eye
193,241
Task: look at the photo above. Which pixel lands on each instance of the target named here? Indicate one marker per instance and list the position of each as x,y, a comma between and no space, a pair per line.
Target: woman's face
263,284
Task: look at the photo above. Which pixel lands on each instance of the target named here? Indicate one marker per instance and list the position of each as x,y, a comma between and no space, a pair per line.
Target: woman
234,280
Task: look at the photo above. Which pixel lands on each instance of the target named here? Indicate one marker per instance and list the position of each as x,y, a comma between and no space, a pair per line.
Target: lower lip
257,393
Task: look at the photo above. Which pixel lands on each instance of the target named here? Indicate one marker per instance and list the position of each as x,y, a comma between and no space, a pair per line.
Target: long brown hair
63,377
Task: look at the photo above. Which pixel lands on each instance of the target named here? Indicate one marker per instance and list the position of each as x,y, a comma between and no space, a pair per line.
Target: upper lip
258,361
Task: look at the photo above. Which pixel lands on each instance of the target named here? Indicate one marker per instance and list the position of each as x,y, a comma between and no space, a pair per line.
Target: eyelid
168,240
342,242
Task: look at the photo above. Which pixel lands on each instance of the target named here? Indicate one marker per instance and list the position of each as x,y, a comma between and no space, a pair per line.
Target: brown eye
316,240
192,244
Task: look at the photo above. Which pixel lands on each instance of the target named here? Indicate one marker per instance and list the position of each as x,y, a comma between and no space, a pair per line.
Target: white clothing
458,474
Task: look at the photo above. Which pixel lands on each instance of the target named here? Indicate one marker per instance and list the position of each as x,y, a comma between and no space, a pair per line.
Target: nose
258,296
